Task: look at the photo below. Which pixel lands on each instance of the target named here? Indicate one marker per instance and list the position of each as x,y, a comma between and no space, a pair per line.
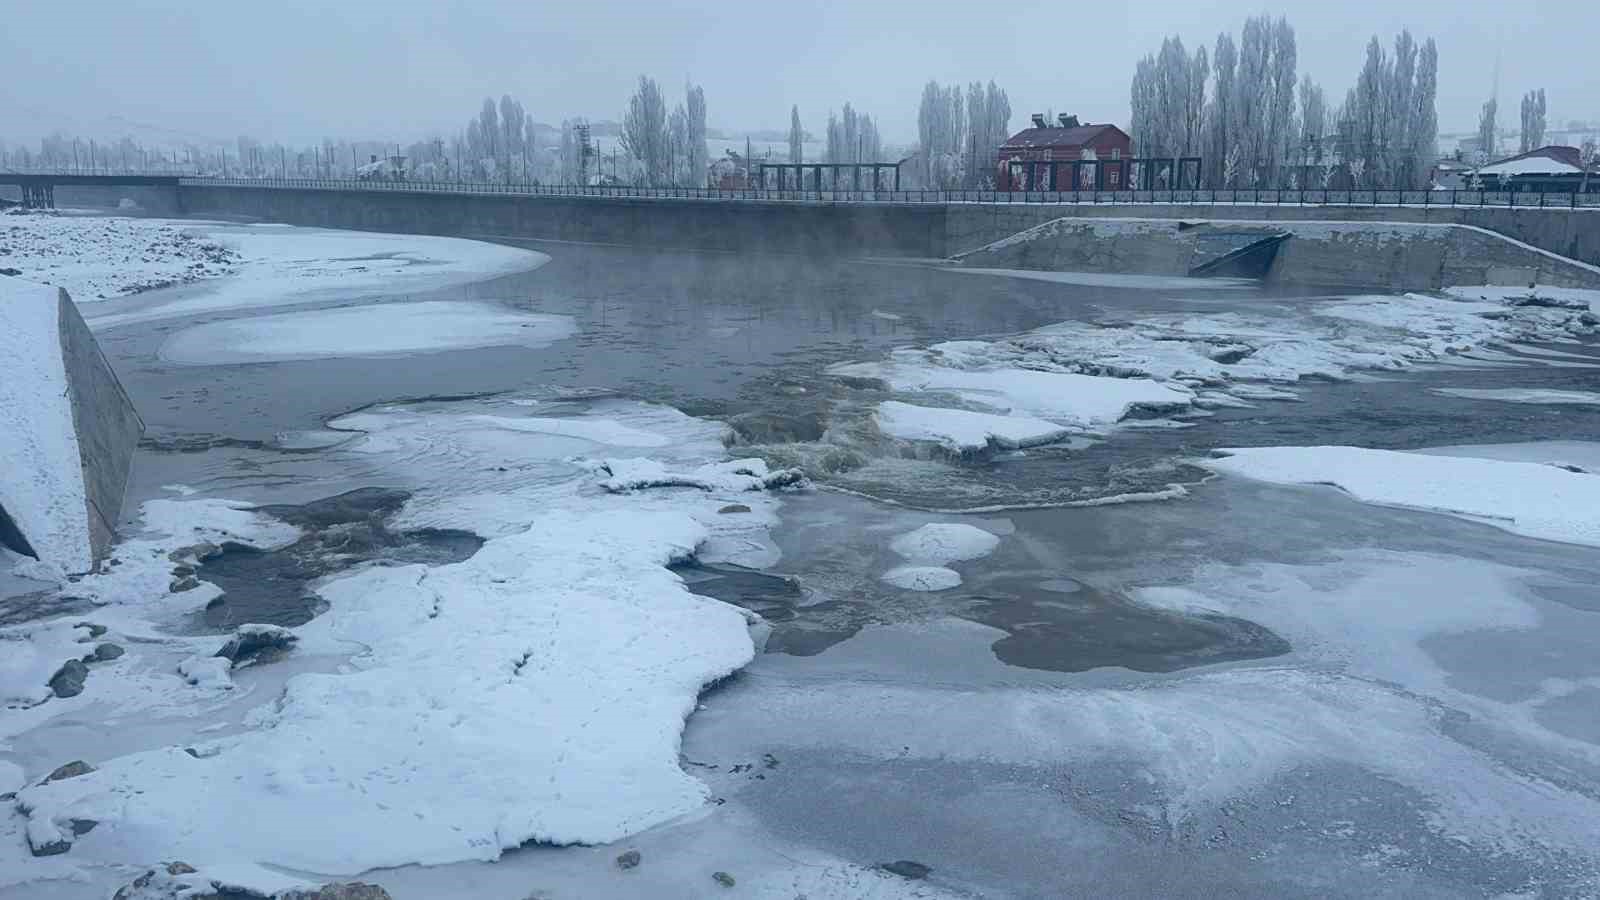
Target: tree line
1242,109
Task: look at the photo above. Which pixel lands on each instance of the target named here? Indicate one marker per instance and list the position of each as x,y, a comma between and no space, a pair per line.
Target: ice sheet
1083,401
388,329
1526,498
284,266
945,542
1524,395
964,431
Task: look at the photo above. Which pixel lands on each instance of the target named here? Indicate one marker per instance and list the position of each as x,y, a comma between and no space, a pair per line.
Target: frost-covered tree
1281,91
1486,129
678,163
699,158
644,131
940,132
1313,121
1219,114
797,137
489,130
1424,129
1533,120
511,132
988,127
1168,99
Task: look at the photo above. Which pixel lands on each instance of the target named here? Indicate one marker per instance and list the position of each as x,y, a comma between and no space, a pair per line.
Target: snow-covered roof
1532,165
1552,160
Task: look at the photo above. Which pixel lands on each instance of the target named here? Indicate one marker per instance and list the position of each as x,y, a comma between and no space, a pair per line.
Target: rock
186,583
628,860
195,552
50,848
722,878
179,868
354,890
181,571
8,796
94,630
905,868
107,652
257,643
68,680
81,827
70,770
10,271
734,508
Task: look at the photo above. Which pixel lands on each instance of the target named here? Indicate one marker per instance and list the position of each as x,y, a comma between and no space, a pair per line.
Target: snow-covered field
100,257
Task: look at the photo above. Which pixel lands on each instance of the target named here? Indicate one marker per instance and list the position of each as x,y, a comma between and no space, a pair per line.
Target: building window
1112,174
1116,152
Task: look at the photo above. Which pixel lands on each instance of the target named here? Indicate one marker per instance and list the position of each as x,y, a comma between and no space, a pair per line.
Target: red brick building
1046,157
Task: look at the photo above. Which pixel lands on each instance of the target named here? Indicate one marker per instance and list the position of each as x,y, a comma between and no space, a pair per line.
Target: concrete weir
1374,255
68,451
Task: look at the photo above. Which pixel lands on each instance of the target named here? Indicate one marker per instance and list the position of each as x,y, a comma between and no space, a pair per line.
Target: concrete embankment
70,431
1379,247
870,229
1377,255
1566,232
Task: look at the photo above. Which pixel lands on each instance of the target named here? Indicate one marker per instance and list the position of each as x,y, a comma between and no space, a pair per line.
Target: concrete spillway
67,431
1376,255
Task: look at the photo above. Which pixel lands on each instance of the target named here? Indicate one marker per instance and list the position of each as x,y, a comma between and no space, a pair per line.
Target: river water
1042,730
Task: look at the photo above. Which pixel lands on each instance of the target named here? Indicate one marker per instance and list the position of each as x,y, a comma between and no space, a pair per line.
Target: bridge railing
1251,197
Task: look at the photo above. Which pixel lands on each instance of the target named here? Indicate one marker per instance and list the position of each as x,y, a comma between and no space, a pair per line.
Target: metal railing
1251,197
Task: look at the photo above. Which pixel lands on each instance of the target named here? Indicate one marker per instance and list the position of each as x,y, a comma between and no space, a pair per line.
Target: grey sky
296,70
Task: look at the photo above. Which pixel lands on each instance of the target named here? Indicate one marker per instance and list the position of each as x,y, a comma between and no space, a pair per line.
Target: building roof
1058,137
1552,160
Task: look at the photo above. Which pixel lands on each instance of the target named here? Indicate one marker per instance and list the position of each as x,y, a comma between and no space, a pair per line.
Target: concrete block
1511,276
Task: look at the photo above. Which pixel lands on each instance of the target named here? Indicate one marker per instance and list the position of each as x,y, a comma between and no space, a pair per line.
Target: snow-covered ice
945,542
964,431
1531,499
1546,396
31,654
41,476
287,266
1577,298
923,578
534,692
1081,401
387,329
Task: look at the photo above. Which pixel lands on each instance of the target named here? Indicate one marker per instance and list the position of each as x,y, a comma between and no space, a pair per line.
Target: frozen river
1111,665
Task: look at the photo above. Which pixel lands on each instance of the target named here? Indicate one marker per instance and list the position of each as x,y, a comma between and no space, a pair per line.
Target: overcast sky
296,70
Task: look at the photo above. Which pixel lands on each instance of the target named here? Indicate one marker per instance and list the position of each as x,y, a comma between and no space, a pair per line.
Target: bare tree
1424,130
1219,115
1313,121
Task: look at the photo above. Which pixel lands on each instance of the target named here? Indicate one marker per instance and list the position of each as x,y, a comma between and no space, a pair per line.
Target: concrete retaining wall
1571,233
1375,255
108,426
882,229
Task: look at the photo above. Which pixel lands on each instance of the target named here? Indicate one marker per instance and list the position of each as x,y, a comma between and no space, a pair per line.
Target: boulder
68,680
257,643
70,770
906,868
628,860
107,652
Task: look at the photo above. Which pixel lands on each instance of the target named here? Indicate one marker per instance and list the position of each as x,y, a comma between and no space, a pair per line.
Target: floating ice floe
945,542
923,578
964,431
1531,499
1081,401
385,329
623,475
1543,396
